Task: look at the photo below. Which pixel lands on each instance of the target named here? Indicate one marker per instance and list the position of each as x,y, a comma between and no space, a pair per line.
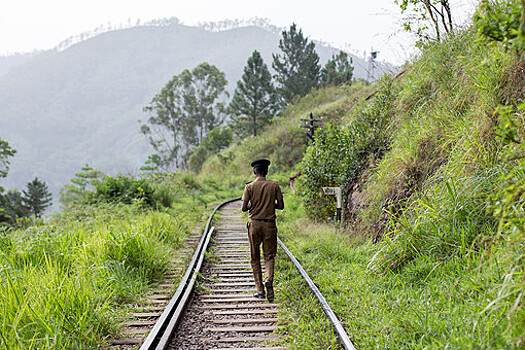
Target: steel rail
341,333
158,338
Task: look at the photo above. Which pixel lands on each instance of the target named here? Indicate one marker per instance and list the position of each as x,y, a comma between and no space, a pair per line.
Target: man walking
260,198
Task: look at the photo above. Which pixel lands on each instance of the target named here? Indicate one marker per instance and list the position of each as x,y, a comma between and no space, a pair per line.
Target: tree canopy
338,70
203,89
433,15
84,181
254,101
297,65
36,197
5,153
183,112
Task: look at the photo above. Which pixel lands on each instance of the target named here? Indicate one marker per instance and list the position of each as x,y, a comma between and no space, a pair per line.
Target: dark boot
269,290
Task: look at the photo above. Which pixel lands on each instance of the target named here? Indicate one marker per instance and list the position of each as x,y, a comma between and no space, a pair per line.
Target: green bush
502,21
122,189
339,155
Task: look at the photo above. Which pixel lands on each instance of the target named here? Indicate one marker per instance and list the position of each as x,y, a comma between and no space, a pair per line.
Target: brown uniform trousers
265,233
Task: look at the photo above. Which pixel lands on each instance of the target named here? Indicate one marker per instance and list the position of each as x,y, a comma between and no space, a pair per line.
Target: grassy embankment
433,168
66,284
445,197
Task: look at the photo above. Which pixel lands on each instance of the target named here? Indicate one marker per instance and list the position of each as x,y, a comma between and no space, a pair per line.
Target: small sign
331,191
335,191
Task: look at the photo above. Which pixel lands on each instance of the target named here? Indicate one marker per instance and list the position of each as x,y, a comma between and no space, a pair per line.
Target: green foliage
5,152
254,102
12,208
204,87
425,15
123,189
502,21
36,197
62,285
509,201
338,154
166,127
153,163
75,193
197,158
185,110
338,70
217,139
297,66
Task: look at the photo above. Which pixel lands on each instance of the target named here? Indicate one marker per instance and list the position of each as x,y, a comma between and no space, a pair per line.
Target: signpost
335,191
310,125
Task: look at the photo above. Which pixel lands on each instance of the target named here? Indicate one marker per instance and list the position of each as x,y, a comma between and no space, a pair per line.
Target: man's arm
279,204
279,201
245,199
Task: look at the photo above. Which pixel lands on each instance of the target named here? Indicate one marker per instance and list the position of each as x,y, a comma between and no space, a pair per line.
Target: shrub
502,21
339,155
122,189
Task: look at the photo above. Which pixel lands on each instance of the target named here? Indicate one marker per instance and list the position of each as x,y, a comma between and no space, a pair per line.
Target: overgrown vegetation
65,284
442,199
430,253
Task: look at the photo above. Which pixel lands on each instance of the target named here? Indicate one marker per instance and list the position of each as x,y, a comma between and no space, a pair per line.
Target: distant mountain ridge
62,109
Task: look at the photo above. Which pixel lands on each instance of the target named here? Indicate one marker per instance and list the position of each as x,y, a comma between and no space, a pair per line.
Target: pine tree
338,70
254,101
298,66
36,197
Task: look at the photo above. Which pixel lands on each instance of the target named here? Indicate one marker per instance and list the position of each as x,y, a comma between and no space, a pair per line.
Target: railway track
213,306
223,313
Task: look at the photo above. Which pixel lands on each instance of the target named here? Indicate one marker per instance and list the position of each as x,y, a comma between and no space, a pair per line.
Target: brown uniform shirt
262,194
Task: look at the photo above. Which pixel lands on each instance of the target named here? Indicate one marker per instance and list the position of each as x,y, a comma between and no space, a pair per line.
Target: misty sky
42,24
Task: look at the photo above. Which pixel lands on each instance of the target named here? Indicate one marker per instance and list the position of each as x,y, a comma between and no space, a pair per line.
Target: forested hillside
63,109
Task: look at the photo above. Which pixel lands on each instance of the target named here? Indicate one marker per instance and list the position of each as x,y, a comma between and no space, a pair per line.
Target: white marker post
335,191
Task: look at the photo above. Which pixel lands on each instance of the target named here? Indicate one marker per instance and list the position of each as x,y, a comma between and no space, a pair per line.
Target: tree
437,13
183,113
12,207
503,22
83,182
167,123
202,88
5,152
298,66
36,197
254,101
153,163
216,140
338,70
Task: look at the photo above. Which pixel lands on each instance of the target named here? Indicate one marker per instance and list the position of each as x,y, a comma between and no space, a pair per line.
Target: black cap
260,162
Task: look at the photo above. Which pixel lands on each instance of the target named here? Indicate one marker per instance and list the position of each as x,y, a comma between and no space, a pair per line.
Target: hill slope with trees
63,109
430,252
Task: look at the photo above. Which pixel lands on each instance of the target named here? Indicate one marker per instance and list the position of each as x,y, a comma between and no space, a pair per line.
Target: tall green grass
62,284
448,193
433,301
